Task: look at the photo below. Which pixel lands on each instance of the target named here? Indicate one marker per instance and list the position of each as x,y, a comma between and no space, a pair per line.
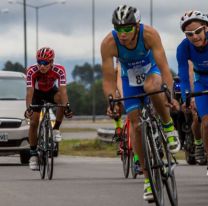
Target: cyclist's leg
199,146
131,107
201,104
34,122
54,96
153,83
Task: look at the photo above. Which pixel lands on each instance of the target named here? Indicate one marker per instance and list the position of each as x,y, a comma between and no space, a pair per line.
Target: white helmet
192,15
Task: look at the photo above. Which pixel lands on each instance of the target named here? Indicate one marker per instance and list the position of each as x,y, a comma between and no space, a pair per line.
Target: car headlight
25,122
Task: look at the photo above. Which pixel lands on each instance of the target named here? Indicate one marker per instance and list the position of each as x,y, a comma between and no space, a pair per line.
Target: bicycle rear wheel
152,164
50,152
125,153
41,151
168,172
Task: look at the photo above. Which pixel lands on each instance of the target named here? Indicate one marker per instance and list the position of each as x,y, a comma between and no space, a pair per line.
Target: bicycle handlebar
164,89
47,105
194,94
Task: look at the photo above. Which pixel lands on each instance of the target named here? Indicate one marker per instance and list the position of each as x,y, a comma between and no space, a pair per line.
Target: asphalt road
81,181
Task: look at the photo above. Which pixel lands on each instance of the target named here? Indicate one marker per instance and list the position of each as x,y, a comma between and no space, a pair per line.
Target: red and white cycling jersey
45,82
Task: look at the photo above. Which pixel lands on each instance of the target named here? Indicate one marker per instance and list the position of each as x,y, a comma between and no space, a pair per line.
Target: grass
87,147
94,148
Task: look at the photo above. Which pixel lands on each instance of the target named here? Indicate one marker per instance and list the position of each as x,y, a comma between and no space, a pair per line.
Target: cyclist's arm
63,93
153,42
29,96
191,74
109,76
183,71
119,81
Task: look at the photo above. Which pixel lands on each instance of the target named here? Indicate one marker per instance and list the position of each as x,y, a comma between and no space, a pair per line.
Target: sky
67,28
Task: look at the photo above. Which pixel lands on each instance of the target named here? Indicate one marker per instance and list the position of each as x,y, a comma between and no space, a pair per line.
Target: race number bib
136,77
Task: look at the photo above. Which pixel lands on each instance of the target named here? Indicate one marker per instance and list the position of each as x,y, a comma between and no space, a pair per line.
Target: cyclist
135,45
195,48
41,86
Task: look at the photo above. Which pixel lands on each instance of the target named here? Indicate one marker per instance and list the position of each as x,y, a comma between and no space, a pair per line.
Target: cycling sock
168,127
136,158
57,125
146,180
198,141
119,123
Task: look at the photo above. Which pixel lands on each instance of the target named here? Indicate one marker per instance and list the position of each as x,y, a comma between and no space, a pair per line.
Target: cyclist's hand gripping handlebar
28,113
164,87
67,111
112,112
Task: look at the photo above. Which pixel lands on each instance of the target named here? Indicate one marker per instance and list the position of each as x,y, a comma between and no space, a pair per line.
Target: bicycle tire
134,175
168,172
50,151
125,153
152,165
41,152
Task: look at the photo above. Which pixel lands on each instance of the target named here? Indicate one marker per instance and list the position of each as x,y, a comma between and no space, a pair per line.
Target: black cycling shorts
39,97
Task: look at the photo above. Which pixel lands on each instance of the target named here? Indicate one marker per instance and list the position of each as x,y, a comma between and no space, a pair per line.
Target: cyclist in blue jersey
195,48
144,68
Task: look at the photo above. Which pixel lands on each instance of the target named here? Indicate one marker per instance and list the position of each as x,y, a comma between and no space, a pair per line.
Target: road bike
125,149
46,144
159,162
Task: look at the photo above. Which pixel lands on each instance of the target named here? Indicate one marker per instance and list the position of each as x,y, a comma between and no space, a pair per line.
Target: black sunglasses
43,62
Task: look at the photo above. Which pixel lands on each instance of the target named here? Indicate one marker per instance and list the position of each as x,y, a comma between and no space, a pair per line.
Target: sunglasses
196,31
124,29
44,63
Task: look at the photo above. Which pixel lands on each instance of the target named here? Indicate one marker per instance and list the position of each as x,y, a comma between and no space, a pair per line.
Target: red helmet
46,54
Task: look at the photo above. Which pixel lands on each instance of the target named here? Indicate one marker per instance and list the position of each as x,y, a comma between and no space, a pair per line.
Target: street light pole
151,12
25,32
37,22
93,61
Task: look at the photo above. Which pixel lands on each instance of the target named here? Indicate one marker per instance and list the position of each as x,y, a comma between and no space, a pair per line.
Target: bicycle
125,150
159,162
45,147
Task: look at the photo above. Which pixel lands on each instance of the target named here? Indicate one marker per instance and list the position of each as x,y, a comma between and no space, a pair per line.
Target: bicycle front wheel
152,164
168,172
41,151
125,153
50,152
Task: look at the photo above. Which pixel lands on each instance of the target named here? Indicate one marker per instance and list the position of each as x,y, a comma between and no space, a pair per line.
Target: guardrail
105,134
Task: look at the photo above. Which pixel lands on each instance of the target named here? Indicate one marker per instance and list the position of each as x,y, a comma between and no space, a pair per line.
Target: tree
17,67
84,74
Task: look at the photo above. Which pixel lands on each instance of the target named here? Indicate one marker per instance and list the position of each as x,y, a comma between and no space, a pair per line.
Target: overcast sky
67,28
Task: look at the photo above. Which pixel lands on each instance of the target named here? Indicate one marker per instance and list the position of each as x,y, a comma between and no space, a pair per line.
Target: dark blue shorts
134,104
201,101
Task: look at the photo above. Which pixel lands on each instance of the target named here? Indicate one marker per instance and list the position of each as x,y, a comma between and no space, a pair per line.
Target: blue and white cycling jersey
136,64
186,51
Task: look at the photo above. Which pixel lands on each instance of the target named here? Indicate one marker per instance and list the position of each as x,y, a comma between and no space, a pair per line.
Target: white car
13,125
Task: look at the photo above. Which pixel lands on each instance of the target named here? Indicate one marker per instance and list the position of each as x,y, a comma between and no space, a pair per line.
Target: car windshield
12,88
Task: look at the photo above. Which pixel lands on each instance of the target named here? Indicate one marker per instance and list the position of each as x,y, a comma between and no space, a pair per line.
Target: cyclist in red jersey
41,86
